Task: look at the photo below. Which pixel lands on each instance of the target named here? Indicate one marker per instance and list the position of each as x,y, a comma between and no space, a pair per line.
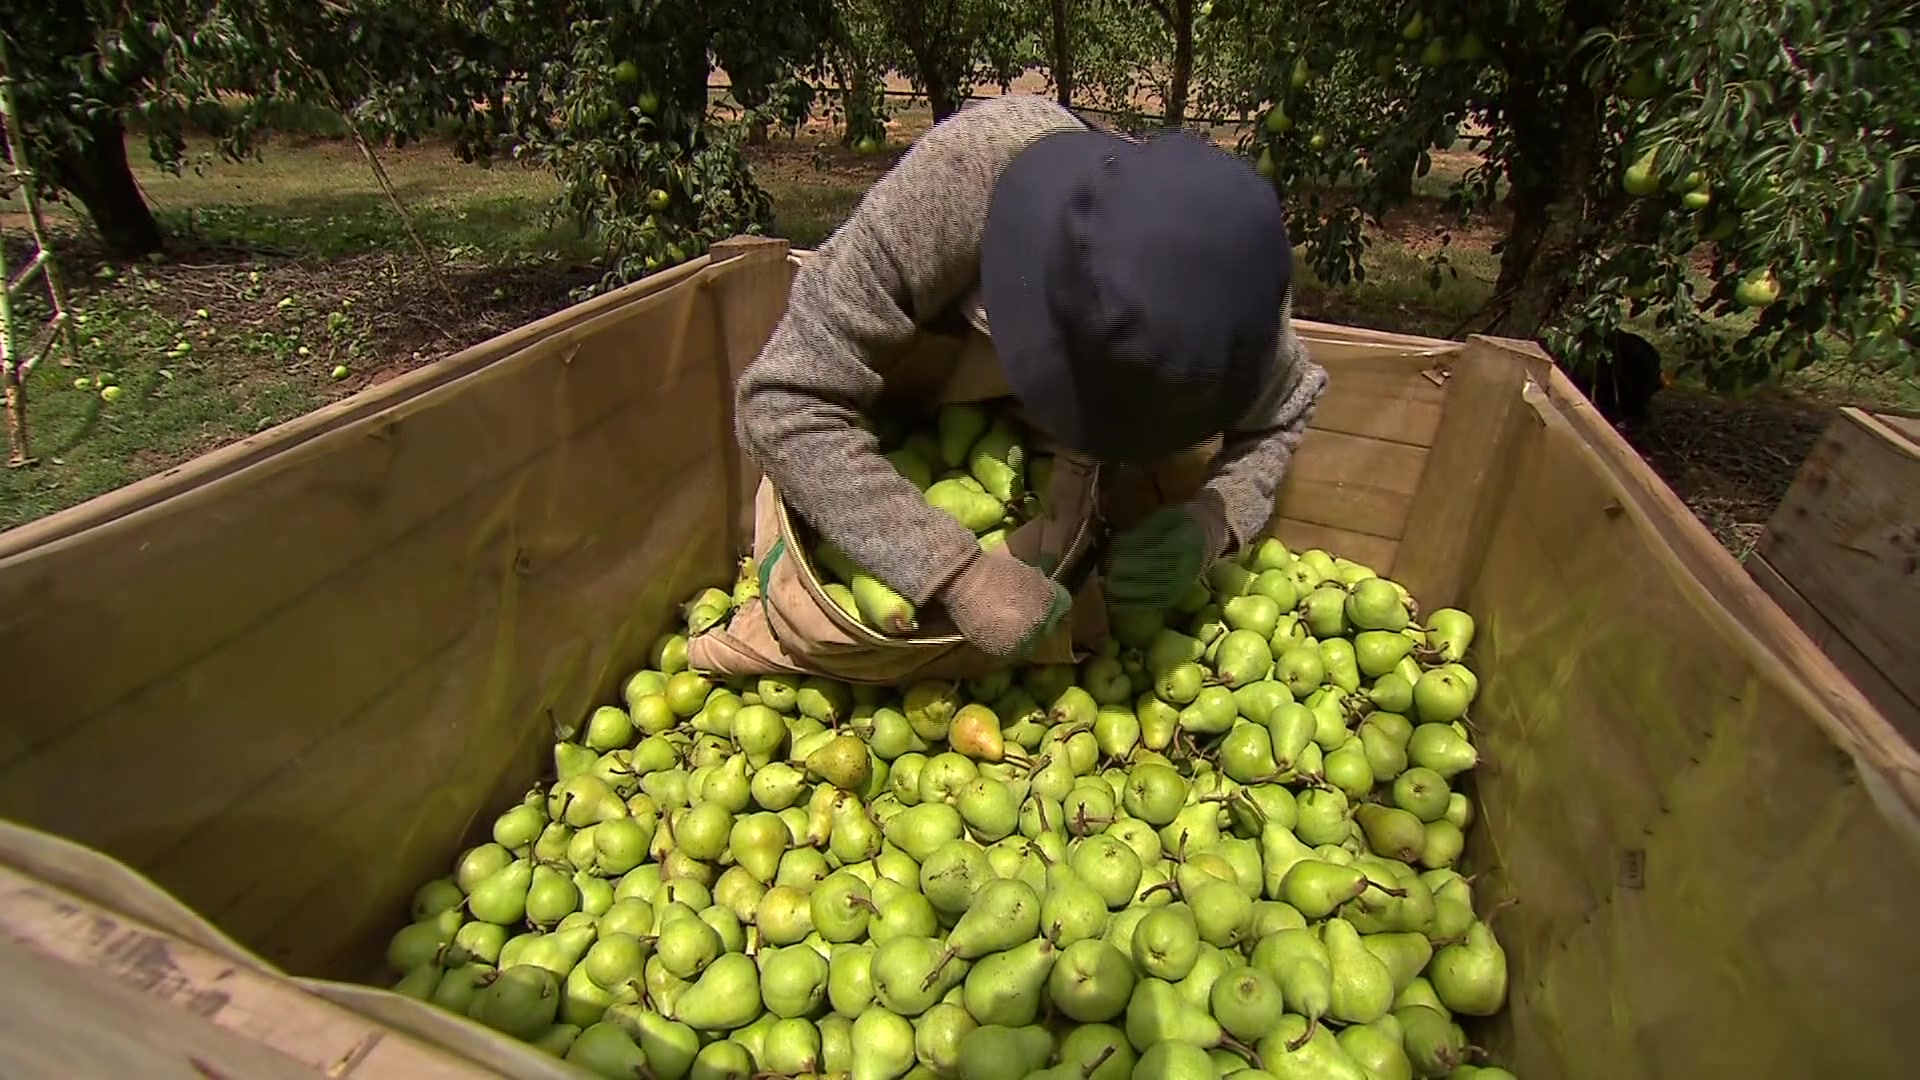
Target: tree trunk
1062,55
1182,75
1555,155
97,174
942,99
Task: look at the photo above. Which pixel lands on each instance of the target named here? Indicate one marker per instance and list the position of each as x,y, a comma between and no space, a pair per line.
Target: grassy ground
292,269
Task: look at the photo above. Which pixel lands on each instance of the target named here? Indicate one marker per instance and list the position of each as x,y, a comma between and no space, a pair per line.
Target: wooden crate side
1846,541
92,993
286,692
1901,712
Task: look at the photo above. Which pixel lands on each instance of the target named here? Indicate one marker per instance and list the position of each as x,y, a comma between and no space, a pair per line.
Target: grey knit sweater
909,252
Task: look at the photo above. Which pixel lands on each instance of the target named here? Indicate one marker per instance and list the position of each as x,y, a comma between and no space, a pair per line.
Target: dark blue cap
1133,290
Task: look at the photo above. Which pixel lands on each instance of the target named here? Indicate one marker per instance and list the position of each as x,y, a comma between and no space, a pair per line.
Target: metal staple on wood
16,361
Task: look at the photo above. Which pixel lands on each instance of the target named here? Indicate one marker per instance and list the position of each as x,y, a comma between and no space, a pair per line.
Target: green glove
1152,562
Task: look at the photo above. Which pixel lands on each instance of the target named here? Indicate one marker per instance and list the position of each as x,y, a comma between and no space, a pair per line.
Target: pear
556,1040
792,1047
881,607
423,942
944,776
605,1049
726,995
1378,652
959,427
1433,1042
722,1060
477,864
1362,985
1439,747
908,463
481,940
996,1051
571,759
615,960
1156,1013
1299,1049
1444,844
756,843
937,1035
458,986
1290,728
842,761
784,915
1376,1047
1097,1052
1404,954
953,876
1347,767
1091,981
1441,696
1247,1002
850,979
1449,633
1003,914
1007,988
1324,612
502,897
793,980
521,1001
1392,832
1301,668
930,707
911,973
903,913
1374,604
1109,867
1155,793
1324,816
989,809
975,509
1212,712
1166,943
1172,1060
1315,887
1470,977
1343,670
1070,909
840,907
998,461
824,700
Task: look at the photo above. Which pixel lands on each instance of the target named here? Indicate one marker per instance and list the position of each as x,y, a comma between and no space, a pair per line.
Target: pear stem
934,975
1389,891
1313,1024
861,901
1511,901
1245,1051
1170,885
1091,1067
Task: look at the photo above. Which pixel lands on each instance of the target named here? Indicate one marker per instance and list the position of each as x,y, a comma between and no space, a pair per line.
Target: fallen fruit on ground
1235,843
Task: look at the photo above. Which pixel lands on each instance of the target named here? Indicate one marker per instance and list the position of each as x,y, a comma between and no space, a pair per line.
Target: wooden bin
1842,556
287,680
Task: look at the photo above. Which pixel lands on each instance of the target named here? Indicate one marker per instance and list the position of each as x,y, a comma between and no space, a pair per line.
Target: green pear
605,1049
1433,1042
840,907
1156,1013
793,980
1097,1052
882,1046
1007,988
1166,943
477,864
1449,633
1247,1002
903,912
1377,1048
726,995
1362,985
423,942
1439,747
1176,1061
1300,1049
784,915
521,1001
1392,832
502,897
850,979
792,1047
556,1040
1003,914
992,1051
1470,977
937,1035
1091,981
722,1060
911,973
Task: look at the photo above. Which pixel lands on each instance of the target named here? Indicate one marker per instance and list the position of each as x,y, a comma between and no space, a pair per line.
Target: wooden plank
1375,551
1907,426
229,459
1902,712
186,576
1461,490
1380,396
1351,482
204,1001
1847,539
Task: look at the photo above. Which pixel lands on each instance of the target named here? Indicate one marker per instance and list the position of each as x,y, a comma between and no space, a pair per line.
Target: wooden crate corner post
751,276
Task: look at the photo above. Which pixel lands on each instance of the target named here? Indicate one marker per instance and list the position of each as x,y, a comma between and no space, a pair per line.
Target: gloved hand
1004,606
1155,560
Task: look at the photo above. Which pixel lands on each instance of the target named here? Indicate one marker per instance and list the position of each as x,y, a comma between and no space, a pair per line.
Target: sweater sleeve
1254,456
910,249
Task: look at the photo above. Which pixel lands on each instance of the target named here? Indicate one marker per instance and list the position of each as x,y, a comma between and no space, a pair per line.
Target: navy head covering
1133,289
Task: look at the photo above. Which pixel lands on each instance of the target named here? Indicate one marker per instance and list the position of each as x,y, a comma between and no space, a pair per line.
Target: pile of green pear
970,461
1228,843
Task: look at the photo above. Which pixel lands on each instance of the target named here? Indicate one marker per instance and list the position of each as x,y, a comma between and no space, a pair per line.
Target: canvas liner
286,681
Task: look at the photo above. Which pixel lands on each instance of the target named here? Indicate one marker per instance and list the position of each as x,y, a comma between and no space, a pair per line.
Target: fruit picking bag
795,626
